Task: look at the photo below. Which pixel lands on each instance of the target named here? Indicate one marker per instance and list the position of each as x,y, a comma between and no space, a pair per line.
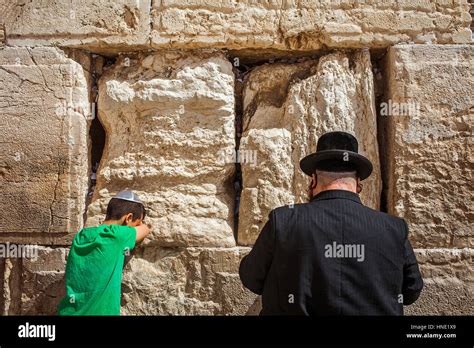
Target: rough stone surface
170,120
44,107
307,25
279,25
429,151
286,108
186,281
449,282
98,24
33,286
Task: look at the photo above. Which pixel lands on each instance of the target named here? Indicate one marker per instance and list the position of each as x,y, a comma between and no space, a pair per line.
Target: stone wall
207,108
45,107
267,24
429,167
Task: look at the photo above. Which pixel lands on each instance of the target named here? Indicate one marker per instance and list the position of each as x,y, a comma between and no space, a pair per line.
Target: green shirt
94,270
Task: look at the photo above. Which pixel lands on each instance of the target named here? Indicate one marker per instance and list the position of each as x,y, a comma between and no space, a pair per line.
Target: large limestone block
449,282
286,108
44,112
186,281
307,25
169,120
429,148
281,25
33,285
101,25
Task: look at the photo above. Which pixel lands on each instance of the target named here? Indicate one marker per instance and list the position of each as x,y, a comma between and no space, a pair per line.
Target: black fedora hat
336,152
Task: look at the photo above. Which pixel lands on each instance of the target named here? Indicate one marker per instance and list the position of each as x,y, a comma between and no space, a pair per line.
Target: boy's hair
117,208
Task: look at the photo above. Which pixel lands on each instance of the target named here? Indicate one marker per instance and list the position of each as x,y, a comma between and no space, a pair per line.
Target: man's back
333,256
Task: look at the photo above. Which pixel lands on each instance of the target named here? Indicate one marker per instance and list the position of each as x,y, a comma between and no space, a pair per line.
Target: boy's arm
143,230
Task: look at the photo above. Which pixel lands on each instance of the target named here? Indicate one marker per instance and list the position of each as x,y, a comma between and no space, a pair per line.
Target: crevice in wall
239,71
241,66
94,65
96,148
381,95
97,134
471,11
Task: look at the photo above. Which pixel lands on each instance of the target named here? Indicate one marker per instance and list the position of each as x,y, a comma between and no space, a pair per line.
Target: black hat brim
338,159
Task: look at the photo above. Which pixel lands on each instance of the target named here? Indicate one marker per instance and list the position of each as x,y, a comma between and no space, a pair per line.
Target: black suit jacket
332,256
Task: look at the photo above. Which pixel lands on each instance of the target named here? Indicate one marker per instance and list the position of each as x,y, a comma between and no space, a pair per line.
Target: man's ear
359,185
314,181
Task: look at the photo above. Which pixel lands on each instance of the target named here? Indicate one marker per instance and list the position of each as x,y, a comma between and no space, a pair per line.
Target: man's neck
348,187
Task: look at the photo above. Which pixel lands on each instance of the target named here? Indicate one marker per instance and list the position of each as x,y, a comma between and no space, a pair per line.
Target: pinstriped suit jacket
332,256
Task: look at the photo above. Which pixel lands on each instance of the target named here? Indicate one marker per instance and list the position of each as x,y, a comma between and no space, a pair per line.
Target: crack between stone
51,214
39,68
23,79
150,21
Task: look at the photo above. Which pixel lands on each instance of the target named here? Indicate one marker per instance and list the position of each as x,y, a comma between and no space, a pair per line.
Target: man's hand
143,230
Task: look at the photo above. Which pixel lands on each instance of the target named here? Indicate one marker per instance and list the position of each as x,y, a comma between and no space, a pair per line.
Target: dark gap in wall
241,66
237,183
380,91
97,141
471,11
97,134
94,65
255,57
239,72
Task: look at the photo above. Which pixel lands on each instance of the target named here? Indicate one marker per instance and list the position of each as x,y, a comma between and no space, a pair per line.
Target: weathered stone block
286,108
117,26
98,24
169,120
304,25
449,282
429,142
43,281
44,110
33,286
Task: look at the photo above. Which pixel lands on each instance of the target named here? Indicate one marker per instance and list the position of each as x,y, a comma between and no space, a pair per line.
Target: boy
95,261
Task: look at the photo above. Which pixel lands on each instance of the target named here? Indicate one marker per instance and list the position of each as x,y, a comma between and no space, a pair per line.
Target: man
95,261
333,255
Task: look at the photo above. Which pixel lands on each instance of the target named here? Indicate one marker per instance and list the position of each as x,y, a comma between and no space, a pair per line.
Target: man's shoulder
392,219
288,208
289,211
309,207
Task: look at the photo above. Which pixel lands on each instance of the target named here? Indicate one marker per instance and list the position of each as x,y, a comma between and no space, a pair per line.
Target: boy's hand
143,230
